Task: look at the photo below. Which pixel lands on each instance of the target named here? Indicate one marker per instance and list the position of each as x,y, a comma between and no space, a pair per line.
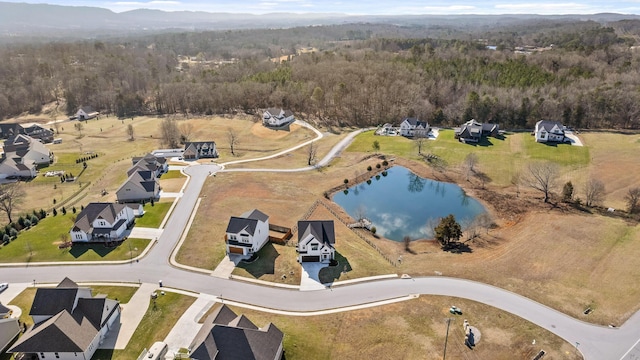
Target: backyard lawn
40,243
153,214
156,324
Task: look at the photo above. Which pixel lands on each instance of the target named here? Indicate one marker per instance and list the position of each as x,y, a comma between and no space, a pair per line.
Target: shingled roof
247,221
225,335
322,230
93,211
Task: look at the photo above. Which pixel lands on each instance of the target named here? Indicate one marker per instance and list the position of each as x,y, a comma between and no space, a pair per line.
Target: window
245,239
314,247
232,237
42,355
57,356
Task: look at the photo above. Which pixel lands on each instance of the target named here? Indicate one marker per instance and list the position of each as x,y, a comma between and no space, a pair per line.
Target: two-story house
195,150
69,323
102,222
247,234
549,131
316,239
276,117
141,186
411,127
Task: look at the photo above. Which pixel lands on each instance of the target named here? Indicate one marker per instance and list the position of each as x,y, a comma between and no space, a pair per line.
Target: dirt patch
264,132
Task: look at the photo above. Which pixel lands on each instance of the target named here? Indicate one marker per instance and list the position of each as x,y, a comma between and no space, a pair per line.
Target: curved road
595,342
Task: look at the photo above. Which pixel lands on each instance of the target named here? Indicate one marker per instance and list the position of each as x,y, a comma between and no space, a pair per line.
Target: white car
3,287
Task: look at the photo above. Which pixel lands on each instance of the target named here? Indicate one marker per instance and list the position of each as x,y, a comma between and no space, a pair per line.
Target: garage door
311,258
235,250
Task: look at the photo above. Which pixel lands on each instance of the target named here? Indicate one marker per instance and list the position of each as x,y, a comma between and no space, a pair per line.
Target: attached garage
309,258
236,250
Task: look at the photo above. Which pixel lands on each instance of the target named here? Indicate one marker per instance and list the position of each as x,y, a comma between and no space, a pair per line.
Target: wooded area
582,73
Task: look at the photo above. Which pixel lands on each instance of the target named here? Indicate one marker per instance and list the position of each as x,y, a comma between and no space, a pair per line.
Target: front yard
154,214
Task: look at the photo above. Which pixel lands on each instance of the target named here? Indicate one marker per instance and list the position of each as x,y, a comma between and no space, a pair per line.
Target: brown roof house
102,222
195,150
247,233
69,323
316,240
226,335
277,117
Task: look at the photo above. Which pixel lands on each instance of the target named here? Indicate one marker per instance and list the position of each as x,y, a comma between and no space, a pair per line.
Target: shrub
64,211
6,238
55,212
369,168
21,222
27,223
378,166
73,209
81,207
54,201
13,233
34,220
373,230
385,163
346,181
43,214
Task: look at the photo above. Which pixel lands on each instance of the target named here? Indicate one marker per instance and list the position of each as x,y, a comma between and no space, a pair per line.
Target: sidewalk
130,317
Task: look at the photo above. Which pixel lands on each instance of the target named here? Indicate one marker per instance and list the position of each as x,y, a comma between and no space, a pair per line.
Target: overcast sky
357,7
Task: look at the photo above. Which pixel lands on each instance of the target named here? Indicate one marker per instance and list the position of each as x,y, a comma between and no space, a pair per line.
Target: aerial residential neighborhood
295,182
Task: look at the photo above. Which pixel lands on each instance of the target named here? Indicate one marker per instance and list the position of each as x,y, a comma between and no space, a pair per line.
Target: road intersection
593,341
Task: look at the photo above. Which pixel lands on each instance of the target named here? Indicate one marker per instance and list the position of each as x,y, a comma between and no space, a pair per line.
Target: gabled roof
415,122
237,224
87,109
256,214
219,339
50,301
548,126
143,180
322,230
67,283
279,113
93,211
4,310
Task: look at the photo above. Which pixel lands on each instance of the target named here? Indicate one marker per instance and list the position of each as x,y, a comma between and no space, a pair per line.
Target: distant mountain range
21,19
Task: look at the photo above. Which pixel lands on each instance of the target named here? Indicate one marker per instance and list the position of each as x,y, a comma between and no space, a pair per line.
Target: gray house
473,131
226,335
199,149
69,323
141,186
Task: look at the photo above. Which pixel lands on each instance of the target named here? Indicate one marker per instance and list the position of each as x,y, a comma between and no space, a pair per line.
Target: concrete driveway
575,140
309,279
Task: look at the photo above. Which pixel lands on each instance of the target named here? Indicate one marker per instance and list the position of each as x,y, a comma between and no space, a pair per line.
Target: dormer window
314,247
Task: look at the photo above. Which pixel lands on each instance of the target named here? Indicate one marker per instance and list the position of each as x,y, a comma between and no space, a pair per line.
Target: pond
402,203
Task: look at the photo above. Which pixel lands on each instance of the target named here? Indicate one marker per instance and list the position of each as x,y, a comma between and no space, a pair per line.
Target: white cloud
543,8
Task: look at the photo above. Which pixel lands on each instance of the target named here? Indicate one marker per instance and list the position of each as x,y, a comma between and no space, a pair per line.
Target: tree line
356,78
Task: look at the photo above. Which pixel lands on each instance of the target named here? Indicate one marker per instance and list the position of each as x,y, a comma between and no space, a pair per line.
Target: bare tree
516,180
130,132
11,195
79,127
311,153
420,142
432,223
541,176
361,213
633,200
56,125
186,130
470,161
233,140
169,131
407,243
594,192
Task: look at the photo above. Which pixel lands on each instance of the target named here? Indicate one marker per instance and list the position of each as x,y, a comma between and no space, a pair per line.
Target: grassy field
412,329
153,215
500,159
155,326
40,243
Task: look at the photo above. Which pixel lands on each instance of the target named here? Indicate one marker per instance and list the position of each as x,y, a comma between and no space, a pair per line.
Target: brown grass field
413,329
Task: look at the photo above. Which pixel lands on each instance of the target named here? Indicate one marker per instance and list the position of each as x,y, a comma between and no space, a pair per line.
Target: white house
277,117
316,241
27,148
549,131
16,167
102,222
86,113
247,233
69,323
414,127
195,150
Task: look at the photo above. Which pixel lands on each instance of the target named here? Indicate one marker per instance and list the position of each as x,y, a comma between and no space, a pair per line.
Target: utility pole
444,356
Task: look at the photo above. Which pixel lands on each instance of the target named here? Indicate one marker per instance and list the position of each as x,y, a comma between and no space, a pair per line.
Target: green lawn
155,326
173,174
499,158
153,215
40,243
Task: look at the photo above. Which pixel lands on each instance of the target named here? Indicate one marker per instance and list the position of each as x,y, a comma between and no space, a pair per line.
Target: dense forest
585,74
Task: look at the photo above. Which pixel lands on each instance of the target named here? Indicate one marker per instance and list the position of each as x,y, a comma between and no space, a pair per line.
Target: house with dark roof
33,130
277,117
225,335
473,131
247,233
195,150
316,240
141,186
102,222
69,323
28,148
8,130
411,127
86,113
149,162
9,330
549,131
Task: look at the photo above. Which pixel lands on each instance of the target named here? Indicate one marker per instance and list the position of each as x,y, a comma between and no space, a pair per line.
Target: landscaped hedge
26,221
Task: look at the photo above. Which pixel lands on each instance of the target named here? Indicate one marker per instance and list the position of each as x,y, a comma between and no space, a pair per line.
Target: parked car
3,287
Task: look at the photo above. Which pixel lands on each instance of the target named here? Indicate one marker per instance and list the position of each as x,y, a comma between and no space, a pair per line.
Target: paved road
596,342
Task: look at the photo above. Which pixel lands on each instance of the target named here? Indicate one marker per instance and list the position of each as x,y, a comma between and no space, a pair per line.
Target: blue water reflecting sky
401,203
